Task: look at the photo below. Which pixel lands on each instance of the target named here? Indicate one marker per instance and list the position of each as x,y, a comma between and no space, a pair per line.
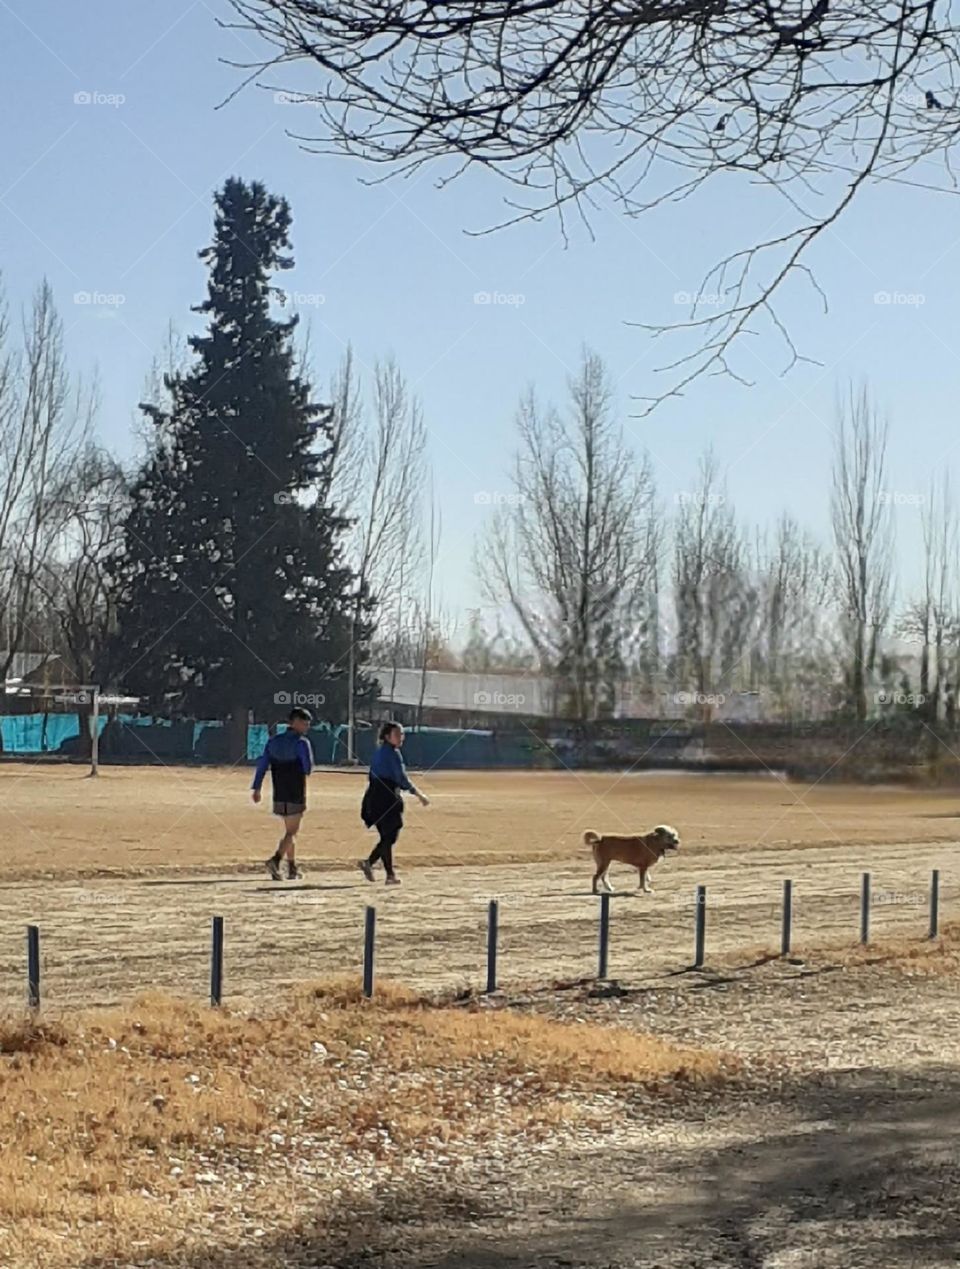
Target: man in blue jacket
289,758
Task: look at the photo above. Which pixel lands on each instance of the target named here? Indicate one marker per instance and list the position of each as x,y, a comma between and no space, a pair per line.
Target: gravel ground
835,1148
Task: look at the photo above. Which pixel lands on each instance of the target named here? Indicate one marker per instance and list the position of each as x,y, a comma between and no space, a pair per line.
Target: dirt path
108,939
175,846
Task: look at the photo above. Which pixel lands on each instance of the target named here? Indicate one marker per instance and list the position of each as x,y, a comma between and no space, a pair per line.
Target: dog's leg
606,882
647,888
597,878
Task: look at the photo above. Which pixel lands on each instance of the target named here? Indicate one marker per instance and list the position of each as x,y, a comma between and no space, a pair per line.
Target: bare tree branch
576,102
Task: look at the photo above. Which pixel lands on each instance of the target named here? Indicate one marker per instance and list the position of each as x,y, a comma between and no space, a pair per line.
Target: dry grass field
123,874
763,1112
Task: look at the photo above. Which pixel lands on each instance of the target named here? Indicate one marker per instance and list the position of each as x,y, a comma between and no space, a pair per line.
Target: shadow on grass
851,1168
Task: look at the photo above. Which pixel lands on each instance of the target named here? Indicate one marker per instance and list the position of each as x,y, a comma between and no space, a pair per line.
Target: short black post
935,903
787,926
216,962
493,911
865,908
604,936
369,935
33,966
701,927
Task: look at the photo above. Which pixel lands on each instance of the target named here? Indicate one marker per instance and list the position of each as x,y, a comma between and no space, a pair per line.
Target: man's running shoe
365,868
393,880
273,868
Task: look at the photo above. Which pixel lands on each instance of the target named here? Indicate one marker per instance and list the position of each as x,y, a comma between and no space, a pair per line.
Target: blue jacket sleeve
306,755
263,765
403,780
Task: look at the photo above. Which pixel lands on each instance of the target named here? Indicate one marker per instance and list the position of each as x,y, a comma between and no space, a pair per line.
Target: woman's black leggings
384,847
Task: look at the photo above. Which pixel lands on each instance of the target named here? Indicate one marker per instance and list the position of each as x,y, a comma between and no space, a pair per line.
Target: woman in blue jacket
382,806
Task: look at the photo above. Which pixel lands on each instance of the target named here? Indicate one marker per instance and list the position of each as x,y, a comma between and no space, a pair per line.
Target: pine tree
233,590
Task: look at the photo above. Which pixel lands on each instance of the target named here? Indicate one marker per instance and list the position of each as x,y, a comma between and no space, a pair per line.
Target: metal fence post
216,962
935,903
493,911
33,966
701,931
787,926
865,908
604,936
369,936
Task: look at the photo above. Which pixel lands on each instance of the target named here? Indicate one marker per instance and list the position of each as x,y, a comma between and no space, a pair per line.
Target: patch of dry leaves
137,1132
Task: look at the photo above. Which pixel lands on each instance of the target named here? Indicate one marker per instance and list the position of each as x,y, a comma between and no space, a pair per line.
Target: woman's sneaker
365,868
393,880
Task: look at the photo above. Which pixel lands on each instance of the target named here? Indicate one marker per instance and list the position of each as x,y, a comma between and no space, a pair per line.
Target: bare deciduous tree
795,654
89,507
376,476
572,556
931,620
573,101
44,419
714,596
863,539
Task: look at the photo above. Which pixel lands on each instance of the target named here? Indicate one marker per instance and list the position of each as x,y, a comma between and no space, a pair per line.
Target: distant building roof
468,693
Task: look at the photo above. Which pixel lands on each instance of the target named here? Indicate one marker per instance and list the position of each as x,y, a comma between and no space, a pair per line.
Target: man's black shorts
289,808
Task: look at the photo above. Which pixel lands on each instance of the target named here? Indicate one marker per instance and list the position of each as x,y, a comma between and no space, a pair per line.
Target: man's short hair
299,713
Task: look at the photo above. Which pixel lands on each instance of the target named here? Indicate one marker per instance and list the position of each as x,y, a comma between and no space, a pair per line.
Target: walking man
289,758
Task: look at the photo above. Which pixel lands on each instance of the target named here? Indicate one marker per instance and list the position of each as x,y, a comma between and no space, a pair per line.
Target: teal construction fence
621,743
130,738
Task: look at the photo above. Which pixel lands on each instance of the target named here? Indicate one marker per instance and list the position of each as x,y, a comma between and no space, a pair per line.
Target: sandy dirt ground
124,873
836,1149
841,1154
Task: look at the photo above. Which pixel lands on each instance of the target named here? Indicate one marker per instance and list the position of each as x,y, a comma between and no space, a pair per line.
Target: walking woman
382,806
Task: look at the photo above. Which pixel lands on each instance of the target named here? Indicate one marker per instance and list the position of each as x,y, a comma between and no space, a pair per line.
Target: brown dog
640,851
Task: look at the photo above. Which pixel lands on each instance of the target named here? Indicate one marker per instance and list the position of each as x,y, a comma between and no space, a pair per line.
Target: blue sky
114,198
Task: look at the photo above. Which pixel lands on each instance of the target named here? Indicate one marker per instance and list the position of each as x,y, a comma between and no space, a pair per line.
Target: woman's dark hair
386,729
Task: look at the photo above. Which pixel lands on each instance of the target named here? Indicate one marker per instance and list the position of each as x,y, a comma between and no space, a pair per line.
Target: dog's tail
591,839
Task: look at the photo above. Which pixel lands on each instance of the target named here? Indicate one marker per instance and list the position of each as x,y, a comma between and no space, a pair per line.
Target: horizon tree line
266,543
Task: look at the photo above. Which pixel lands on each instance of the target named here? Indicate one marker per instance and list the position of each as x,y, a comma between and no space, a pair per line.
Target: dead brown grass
130,1129
914,956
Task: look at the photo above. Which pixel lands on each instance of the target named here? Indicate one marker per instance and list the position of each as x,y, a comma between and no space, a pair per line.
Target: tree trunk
859,678
237,733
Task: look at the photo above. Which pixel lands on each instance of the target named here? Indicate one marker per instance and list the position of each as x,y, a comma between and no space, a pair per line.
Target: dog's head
667,838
